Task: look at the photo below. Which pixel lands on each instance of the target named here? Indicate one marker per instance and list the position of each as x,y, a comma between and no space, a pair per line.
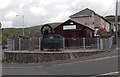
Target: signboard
68,27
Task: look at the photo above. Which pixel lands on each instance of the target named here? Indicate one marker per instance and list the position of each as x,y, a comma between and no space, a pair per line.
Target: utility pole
116,22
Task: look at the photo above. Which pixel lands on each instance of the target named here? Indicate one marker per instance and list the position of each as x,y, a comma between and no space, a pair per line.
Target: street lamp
22,23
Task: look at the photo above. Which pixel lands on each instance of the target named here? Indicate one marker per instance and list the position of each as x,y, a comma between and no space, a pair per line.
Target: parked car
5,47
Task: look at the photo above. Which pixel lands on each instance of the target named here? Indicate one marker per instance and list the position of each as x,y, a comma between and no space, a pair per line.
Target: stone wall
32,57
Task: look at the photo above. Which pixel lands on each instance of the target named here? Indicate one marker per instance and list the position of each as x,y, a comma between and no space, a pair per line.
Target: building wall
93,22
87,21
80,31
100,22
97,21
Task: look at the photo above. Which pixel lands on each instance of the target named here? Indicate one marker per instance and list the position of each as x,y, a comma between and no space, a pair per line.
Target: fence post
101,43
98,43
30,39
110,42
84,43
63,44
39,43
106,43
9,43
13,44
19,44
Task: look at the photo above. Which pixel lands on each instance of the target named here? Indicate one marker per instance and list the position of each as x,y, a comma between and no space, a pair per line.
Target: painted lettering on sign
67,27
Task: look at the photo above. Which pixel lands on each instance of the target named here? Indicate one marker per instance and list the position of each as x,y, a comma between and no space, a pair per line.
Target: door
74,39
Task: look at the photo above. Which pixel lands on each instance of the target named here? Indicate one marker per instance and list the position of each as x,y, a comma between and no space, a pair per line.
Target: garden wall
35,57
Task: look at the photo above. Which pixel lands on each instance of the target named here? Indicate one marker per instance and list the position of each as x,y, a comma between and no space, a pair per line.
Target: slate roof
85,12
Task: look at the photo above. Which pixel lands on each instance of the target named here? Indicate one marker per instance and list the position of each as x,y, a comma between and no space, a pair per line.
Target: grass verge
1,61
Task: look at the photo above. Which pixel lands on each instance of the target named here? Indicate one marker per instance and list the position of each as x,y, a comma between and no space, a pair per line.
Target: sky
15,13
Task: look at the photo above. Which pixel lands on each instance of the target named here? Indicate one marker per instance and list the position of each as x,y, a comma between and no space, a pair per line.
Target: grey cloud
43,11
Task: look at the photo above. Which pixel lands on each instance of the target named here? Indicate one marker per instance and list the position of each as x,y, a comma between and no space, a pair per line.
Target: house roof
86,13
111,18
75,22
